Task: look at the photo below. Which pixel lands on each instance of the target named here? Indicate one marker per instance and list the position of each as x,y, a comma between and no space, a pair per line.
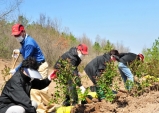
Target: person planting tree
125,59
74,55
95,68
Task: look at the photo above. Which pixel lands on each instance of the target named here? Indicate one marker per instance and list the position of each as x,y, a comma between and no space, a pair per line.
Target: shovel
14,60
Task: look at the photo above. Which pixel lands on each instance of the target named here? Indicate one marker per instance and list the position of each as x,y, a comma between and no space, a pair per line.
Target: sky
133,23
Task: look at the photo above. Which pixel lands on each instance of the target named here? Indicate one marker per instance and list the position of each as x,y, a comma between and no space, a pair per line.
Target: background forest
54,40
49,34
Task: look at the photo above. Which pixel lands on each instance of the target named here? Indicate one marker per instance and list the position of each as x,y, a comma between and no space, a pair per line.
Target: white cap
33,73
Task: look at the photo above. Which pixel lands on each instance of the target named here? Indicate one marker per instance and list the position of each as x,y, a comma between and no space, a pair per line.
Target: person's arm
18,66
57,65
100,66
100,71
40,84
122,54
77,79
16,53
19,96
29,50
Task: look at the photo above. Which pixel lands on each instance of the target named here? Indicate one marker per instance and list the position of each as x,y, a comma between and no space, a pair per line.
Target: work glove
82,89
15,53
52,75
12,71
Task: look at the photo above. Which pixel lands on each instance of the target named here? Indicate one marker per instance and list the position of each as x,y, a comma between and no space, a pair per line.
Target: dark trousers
72,96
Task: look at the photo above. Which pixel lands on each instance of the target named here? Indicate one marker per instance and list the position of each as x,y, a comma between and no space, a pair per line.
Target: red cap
17,29
141,56
83,48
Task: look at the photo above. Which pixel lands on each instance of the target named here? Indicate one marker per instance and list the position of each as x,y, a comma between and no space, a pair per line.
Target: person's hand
15,53
52,75
12,71
82,89
113,58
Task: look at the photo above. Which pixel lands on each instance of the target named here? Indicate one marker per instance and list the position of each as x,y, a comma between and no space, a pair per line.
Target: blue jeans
125,72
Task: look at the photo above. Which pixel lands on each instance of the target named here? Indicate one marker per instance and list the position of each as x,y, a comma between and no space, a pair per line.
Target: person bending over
15,96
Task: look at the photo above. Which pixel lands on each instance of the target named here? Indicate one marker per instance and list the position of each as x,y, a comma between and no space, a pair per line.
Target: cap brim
84,53
16,33
33,73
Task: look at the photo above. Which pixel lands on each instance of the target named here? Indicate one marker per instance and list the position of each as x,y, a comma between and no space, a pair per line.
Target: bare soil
148,102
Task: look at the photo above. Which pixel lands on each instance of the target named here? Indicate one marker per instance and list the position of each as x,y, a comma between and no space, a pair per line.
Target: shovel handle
15,61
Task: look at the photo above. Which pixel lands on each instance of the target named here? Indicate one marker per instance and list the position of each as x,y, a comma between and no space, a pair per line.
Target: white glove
15,53
82,89
12,71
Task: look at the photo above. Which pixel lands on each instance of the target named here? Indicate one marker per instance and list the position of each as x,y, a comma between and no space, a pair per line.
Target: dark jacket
72,55
127,58
17,92
95,66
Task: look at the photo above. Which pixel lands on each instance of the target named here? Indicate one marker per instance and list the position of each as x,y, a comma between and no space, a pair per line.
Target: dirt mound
147,103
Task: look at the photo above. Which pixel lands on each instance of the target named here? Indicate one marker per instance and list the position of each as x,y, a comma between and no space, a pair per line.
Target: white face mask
19,39
80,55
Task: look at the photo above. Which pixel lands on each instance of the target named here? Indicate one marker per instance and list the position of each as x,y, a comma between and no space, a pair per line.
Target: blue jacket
29,47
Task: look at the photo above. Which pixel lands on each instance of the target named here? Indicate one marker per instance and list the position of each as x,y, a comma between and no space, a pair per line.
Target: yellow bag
64,109
93,94
148,76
